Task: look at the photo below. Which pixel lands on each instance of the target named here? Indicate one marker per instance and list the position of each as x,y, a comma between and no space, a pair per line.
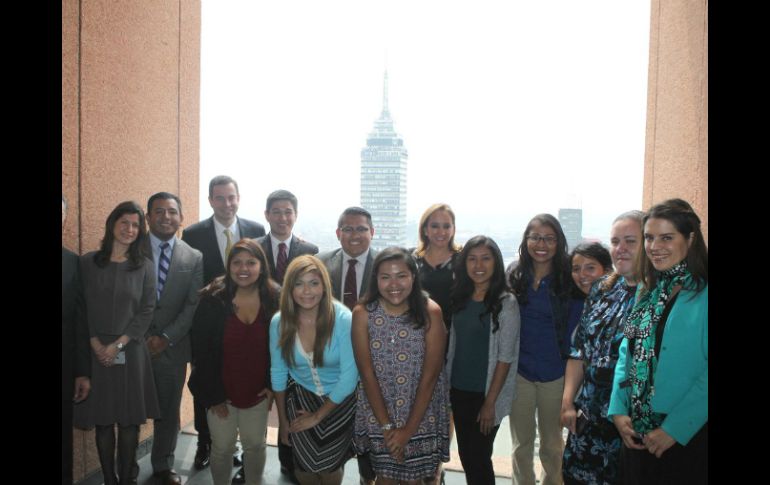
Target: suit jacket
298,247
333,261
173,314
75,345
202,236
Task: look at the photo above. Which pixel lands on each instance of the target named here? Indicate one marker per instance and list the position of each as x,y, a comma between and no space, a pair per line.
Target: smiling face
480,266
439,229
308,290
164,218
224,200
394,282
664,245
541,243
126,229
244,269
585,270
625,237
281,217
355,234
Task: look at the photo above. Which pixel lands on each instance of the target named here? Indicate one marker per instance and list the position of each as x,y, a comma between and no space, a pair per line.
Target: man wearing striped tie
180,276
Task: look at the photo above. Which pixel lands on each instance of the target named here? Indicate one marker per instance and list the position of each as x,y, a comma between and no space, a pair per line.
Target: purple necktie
283,261
350,295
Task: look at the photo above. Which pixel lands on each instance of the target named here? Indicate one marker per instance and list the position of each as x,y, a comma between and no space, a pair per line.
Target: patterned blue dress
591,456
398,352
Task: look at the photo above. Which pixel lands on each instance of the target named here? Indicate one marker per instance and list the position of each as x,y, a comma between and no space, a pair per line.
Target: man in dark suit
350,269
214,237
75,349
281,246
179,270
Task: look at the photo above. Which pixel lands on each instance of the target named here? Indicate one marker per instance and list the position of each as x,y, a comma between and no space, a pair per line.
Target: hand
82,388
156,345
221,410
99,350
568,417
269,396
396,439
303,421
486,417
626,430
658,441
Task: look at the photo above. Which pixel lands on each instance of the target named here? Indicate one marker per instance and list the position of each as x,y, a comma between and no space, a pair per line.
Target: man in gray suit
350,268
179,270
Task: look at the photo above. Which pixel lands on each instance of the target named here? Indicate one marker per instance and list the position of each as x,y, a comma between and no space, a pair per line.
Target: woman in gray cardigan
483,354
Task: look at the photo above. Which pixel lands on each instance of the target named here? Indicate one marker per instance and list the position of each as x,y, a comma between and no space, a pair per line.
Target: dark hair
355,211
136,251
164,196
593,250
281,195
683,217
522,274
222,180
223,287
418,299
423,241
462,287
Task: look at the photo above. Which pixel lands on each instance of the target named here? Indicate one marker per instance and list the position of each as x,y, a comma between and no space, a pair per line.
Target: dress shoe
167,477
201,460
240,476
238,459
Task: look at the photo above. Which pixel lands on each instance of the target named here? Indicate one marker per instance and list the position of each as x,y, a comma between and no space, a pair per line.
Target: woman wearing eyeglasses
541,282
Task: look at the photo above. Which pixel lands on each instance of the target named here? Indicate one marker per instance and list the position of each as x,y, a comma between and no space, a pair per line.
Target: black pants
679,465
475,448
201,424
66,441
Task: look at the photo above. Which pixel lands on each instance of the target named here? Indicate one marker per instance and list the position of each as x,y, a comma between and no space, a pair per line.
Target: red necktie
283,261
350,295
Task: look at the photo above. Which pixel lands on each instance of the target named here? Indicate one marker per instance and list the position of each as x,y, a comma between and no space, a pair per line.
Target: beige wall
130,119
676,152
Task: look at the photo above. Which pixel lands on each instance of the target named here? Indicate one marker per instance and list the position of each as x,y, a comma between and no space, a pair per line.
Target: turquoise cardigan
682,375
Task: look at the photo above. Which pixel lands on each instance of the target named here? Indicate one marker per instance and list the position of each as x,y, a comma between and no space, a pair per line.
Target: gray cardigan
503,347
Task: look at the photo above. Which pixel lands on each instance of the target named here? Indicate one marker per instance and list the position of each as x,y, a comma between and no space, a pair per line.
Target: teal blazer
682,375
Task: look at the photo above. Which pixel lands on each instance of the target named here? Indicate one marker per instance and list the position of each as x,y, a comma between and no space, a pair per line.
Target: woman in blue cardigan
313,372
659,398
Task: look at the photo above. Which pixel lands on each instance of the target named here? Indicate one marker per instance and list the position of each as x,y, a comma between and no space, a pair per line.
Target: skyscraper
571,221
383,179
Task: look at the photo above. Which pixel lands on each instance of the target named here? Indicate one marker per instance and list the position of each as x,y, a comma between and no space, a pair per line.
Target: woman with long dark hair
119,291
659,400
483,354
589,262
541,282
231,370
314,373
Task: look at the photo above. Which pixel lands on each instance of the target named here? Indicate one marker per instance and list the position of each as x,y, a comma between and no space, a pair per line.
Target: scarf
640,329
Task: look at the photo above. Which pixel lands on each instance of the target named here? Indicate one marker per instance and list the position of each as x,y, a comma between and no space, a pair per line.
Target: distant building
383,179
571,221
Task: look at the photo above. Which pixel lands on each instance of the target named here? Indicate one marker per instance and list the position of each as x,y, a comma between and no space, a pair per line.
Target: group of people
384,355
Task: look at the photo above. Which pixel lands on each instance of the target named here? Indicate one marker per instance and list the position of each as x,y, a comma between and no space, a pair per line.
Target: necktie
163,263
229,245
283,261
350,296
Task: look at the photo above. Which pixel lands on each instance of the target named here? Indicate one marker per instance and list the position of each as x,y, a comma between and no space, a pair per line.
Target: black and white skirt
327,445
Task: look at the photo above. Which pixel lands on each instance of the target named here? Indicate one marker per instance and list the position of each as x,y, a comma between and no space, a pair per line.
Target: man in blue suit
214,237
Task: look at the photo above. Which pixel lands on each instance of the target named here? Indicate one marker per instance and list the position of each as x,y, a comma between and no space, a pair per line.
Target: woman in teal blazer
659,398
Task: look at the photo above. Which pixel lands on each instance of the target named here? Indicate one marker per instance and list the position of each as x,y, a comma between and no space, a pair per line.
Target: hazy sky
507,108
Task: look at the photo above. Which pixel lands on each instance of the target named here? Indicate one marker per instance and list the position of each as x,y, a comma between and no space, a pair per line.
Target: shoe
240,476
167,477
289,475
201,460
238,459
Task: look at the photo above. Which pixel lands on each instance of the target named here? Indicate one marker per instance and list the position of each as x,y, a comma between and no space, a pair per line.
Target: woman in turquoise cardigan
659,398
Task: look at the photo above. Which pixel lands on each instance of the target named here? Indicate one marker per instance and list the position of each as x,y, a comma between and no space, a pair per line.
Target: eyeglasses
536,238
358,229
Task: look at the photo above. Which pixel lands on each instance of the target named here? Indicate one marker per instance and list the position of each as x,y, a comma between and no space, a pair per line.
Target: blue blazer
682,375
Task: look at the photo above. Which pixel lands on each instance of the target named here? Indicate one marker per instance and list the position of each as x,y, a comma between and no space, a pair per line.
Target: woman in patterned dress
593,446
399,339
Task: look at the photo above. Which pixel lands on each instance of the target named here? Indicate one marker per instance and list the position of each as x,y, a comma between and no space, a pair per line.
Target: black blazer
75,345
202,236
298,248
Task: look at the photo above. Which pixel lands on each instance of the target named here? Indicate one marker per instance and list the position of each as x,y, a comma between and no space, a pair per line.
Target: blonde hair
424,242
289,324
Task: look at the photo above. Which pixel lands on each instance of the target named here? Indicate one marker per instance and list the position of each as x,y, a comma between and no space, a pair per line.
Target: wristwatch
120,346
388,426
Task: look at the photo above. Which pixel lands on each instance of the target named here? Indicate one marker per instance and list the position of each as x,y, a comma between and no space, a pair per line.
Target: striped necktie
163,264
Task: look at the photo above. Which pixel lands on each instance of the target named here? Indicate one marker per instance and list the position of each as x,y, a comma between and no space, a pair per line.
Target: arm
348,377
486,417
181,325
435,342
279,376
141,320
573,378
280,402
82,345
363,358
207,322
618,410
